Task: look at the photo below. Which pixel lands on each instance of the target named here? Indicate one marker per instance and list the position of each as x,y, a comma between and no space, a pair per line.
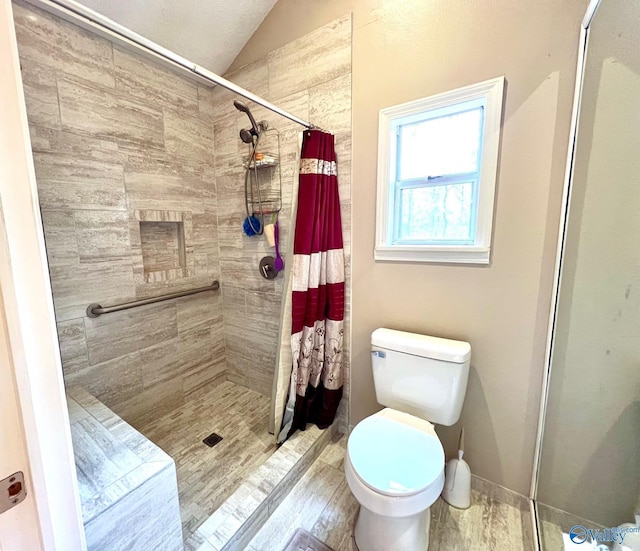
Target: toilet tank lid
422,345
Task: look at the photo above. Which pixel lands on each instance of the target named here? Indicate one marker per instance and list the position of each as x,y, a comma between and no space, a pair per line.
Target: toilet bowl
395,462
394,467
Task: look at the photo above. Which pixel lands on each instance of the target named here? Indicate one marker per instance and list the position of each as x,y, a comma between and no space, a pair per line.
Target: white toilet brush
457,486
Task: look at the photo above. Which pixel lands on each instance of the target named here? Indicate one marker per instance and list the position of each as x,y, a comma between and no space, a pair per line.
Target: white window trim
480,252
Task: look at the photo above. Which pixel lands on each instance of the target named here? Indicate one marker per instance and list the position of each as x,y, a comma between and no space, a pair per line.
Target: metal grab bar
94,310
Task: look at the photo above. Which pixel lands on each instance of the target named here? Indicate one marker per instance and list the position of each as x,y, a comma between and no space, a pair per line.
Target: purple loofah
248,223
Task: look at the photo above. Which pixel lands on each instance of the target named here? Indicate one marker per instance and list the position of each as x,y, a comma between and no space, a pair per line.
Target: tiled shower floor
208,476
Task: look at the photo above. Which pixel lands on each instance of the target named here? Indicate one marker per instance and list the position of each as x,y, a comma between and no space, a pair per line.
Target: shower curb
233,525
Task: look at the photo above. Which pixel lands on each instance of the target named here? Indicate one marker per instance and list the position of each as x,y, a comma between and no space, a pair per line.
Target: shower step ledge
240,517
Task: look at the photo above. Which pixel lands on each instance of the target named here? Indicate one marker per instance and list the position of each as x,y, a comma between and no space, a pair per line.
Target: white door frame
30,321
19,525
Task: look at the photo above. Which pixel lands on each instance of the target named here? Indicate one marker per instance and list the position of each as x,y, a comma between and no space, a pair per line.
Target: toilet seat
395,454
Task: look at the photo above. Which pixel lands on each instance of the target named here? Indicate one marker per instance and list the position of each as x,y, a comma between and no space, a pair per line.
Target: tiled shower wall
310,77
123,153
141,187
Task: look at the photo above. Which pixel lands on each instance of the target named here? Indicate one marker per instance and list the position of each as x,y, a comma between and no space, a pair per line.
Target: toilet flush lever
378,353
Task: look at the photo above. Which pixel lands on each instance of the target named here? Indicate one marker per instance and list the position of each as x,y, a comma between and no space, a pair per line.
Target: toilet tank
421,375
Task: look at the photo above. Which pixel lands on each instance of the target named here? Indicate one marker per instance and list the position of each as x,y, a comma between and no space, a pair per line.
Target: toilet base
375,532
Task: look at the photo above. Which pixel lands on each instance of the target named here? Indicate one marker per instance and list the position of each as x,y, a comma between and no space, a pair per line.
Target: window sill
442,255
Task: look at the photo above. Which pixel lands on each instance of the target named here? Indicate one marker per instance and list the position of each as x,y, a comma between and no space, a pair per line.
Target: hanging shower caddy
263,178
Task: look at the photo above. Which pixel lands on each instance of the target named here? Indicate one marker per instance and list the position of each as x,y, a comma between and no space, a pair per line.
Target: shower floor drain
212,439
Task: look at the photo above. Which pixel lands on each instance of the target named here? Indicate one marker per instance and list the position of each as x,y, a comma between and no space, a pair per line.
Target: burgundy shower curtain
317,287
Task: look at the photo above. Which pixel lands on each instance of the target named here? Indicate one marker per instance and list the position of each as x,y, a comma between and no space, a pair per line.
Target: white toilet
395,461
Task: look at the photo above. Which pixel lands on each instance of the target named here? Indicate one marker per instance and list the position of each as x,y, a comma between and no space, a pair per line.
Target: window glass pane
436,147
436,213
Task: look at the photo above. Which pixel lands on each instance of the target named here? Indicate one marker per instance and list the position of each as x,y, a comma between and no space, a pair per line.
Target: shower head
240,106
246,135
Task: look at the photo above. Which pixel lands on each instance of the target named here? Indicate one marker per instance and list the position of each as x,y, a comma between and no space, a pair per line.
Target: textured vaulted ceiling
210,33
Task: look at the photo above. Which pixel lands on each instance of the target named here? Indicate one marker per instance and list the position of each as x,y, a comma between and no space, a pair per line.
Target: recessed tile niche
162,246
164,239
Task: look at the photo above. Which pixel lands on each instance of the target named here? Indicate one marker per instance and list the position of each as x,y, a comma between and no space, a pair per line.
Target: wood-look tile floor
322,504
208,476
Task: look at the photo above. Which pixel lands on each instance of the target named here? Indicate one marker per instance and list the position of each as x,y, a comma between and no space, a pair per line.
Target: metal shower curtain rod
88,19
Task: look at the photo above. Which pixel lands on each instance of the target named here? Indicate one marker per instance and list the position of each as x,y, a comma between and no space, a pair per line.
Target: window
437,163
